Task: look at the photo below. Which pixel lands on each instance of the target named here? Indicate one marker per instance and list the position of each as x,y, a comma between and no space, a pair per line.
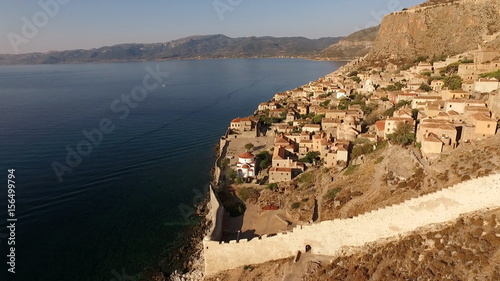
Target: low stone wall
216,212
332,237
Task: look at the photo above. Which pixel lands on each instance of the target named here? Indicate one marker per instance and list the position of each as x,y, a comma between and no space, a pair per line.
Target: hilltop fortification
436,28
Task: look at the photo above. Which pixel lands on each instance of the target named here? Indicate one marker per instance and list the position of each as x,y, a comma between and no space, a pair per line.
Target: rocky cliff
355,45
436,28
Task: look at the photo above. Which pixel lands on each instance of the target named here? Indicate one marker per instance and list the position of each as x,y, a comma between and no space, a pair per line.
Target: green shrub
453,82
404,134
231,174
272,186
425,87
495,74
361,149
236,210
295,205
332,193
246,193
350,170
307,178
310,157
240,180
379,160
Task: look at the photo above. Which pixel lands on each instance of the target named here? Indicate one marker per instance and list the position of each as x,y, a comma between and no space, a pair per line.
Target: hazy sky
27,26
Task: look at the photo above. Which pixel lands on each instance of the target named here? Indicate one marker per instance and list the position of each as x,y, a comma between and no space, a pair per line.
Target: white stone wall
329,237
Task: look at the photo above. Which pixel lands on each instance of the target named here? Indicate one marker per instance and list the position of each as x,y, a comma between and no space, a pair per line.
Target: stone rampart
333,237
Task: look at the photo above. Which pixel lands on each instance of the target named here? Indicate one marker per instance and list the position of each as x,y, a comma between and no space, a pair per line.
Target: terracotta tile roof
246,155
380,125
432,138
482,117
276,169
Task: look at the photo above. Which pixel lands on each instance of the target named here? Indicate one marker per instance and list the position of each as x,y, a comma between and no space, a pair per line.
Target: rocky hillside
355,45
466,249
194,47
436,28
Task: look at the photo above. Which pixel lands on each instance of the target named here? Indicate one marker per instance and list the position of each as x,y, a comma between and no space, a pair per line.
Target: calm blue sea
117,211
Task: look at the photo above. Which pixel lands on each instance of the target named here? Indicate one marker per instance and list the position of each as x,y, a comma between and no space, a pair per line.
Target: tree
425,87
325,103
311,157
317,118
224,162
396,87
414,113
403,134
264,158
249,146
344,103
453,82
356,79
231,174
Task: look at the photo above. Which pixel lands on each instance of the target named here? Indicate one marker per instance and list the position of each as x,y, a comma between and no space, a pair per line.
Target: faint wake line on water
217,100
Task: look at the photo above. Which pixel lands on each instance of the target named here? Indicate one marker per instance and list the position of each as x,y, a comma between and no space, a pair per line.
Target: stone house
486,85
454,94
436,136
437,85
459,105
277,174
311,128
420,101
481,126
277,112
494,104
392,123
242,124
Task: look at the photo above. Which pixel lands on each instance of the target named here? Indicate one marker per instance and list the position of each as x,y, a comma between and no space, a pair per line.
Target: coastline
187,262
195,266
179,59
191,254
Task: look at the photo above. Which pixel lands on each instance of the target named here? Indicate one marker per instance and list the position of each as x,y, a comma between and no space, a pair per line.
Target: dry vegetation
394,175
467,249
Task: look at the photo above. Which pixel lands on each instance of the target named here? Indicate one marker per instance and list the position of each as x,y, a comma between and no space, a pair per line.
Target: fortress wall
216,212
329,237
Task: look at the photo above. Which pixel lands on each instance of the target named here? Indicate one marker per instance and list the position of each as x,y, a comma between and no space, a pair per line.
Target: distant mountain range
194,47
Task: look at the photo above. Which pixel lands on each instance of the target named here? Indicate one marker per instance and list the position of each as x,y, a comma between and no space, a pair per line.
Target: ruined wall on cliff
433,30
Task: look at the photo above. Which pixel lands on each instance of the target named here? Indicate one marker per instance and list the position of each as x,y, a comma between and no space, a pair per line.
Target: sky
46,25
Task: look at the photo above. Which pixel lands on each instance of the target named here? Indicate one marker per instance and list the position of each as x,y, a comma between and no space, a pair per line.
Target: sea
109,159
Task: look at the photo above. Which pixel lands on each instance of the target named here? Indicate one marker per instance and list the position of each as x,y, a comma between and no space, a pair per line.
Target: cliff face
355,45
436,28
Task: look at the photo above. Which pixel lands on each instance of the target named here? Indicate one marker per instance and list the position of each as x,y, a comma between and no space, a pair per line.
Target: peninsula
358,164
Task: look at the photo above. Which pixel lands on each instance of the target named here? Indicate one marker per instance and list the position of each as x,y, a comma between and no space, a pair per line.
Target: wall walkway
331,237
